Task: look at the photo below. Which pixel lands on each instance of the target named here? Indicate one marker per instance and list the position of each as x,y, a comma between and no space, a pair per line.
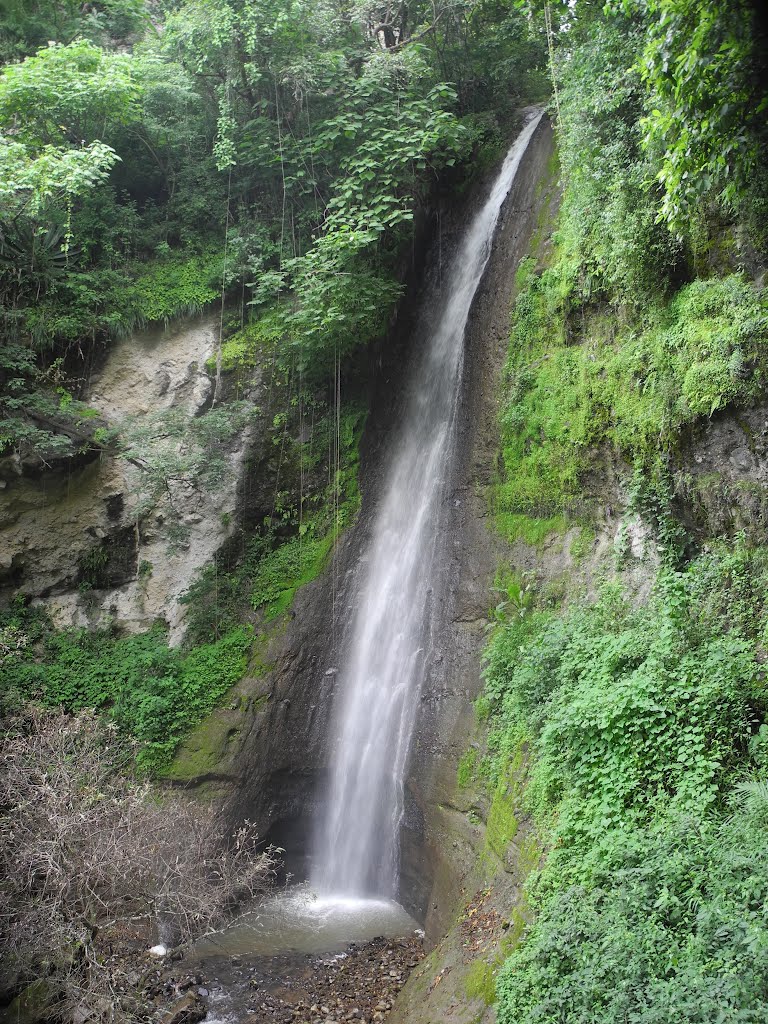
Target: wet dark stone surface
358,985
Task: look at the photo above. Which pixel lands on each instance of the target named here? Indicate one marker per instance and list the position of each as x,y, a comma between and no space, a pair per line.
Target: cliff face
110,538
439,842
274,737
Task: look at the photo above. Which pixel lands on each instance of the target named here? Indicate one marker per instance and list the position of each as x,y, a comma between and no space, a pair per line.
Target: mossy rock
30,1006
208,751
504,815
503,823
480,982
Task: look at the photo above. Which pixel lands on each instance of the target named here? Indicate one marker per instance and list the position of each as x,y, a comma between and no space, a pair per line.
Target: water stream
352,893
357,842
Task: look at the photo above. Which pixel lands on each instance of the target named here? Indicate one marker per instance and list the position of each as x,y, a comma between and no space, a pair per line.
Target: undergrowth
291,546
112,303
575,384
152,692
630,328
647,778
181,284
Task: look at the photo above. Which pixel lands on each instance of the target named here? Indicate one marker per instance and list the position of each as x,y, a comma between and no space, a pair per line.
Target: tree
704,68
26,25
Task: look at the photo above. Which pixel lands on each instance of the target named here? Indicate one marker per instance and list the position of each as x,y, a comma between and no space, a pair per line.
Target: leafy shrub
178,286
708,385
672,928
644,725
152,692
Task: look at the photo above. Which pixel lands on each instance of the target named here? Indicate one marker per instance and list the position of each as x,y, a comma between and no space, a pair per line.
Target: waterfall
357,841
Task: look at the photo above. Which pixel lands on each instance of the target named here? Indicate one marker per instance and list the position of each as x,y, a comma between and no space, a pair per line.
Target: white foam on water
301,921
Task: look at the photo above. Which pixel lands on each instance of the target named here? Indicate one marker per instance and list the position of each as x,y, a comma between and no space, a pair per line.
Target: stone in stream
190,1009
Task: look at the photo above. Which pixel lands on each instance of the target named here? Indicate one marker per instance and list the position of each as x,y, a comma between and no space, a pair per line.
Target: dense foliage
642,723
579,378
648,780
152,692
155,157
640,321
665,102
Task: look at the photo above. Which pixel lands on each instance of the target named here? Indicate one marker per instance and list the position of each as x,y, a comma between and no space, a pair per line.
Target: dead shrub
95,866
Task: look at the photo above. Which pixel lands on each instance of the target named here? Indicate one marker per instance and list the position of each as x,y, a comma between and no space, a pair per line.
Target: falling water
358,837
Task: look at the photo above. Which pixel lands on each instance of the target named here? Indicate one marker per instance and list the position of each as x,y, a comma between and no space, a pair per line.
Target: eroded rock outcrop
119,535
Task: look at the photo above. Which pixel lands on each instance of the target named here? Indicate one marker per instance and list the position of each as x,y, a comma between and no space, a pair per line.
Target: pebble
358,986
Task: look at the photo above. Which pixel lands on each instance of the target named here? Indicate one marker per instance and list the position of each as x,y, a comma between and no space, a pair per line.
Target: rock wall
440,845
476,847
274,737
85,538
721,475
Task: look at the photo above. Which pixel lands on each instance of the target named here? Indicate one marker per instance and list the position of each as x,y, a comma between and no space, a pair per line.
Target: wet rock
346,988
190,1009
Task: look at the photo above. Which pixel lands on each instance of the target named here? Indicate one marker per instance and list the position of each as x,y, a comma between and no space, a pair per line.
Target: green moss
465,773
203,752
518,922
583,377
530,529
480,982
288,567
583,543
547,185
502,824
248,346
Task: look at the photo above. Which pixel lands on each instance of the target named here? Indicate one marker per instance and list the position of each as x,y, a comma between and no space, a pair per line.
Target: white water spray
357,845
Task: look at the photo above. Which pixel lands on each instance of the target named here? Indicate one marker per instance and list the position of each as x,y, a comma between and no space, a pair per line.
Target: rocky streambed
358,984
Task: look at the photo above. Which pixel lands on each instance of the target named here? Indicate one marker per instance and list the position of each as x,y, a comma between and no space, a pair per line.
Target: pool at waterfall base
300,920
303,957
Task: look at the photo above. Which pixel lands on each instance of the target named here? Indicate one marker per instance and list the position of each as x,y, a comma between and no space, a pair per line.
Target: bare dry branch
95,867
